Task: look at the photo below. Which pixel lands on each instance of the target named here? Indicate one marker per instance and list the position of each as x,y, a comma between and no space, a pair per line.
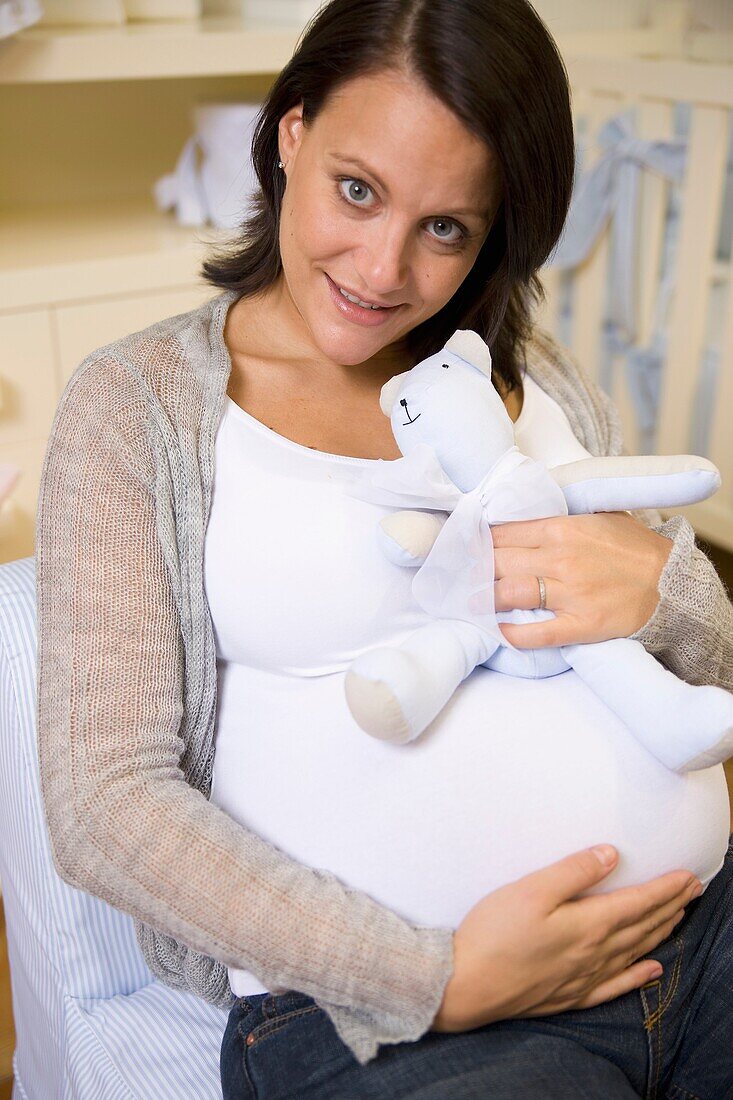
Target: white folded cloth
15,15
218,188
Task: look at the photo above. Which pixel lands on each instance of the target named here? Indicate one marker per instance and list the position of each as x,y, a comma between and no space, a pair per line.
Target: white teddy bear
461,465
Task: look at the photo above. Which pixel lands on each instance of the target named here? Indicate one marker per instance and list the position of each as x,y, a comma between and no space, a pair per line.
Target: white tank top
512,775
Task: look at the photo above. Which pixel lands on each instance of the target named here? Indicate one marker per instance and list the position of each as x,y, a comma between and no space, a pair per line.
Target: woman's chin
339,345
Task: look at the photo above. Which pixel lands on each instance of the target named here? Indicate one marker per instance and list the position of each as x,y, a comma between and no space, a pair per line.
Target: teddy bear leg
394,692
686,726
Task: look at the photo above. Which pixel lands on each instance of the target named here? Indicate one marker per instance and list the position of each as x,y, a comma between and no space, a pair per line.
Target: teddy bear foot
377,686
370,701
717,754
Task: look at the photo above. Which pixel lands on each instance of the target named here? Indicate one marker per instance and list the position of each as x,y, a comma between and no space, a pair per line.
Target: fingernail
697,891
605,853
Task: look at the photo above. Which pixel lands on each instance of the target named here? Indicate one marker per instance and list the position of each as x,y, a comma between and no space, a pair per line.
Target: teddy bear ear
388,394
468,345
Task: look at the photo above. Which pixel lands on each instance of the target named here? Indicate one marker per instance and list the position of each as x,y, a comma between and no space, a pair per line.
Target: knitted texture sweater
127,685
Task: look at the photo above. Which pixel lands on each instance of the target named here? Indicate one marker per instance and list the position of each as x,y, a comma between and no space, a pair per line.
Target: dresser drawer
18,512
29,386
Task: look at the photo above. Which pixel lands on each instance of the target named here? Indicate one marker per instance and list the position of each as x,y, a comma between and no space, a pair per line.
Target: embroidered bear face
449,402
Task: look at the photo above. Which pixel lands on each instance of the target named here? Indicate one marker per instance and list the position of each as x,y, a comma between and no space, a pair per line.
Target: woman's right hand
534,948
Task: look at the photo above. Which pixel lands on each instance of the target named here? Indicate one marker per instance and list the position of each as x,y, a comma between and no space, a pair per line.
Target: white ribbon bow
610,189
456,580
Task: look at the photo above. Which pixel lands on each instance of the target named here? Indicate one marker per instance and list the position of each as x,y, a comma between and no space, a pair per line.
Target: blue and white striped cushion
91,1021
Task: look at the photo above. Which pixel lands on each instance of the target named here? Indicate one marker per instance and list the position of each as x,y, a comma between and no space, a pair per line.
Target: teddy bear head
449,402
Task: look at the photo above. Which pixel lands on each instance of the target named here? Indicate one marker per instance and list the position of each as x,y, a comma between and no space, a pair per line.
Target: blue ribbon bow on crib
610,191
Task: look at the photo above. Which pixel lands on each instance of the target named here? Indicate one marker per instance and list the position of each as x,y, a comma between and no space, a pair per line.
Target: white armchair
91,1021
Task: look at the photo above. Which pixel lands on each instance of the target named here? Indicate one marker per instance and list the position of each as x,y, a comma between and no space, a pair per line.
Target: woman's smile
360,315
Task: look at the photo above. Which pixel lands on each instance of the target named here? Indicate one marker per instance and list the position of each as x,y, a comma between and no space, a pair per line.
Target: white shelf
74,252
211,46
701,81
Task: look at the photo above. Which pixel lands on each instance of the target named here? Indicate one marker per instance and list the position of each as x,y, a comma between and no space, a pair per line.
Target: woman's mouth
360,314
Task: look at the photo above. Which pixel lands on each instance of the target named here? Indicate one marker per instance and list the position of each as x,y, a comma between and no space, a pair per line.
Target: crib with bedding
640,286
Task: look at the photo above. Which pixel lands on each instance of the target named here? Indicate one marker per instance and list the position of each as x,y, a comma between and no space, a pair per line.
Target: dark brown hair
494,64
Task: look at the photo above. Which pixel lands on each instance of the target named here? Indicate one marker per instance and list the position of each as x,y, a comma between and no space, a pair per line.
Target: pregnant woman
439,920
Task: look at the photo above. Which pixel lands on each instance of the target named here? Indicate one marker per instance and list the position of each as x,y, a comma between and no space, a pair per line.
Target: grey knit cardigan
127,691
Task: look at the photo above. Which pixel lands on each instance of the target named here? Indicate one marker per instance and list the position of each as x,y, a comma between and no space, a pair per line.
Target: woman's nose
386,264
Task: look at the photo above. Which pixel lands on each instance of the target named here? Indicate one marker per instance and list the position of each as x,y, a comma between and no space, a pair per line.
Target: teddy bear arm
624,482
406,537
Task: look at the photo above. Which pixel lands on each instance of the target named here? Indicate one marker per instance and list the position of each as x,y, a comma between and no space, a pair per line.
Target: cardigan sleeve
691,628
124,824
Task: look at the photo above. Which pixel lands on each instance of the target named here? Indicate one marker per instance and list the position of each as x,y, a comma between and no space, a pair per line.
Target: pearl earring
280,164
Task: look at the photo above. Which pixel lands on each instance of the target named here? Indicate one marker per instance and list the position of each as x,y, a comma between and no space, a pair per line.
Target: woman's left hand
600,571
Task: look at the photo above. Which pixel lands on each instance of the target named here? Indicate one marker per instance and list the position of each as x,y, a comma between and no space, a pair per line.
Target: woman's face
389,196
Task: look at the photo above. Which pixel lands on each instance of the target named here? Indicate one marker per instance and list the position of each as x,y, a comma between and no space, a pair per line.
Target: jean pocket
275,1022
657,996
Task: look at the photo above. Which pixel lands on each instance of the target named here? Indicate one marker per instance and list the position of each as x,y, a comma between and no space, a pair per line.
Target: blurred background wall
103,111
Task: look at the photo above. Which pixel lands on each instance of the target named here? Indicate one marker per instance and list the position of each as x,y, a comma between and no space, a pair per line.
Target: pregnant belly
512,775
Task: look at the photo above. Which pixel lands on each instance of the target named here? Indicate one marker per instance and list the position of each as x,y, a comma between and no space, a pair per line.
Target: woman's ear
290,133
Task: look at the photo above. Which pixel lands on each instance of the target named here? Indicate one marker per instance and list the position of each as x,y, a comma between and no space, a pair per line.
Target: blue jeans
671,1039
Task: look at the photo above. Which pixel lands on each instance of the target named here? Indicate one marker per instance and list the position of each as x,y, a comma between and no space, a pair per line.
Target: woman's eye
448,240
357,189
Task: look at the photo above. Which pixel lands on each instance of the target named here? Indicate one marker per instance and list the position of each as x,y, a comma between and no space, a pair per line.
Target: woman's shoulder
593,416
160,364
164,377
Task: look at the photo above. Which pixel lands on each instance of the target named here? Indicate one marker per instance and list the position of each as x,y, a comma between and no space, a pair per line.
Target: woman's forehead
396,108
393,131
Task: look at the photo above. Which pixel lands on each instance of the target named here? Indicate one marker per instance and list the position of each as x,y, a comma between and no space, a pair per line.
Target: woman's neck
248,336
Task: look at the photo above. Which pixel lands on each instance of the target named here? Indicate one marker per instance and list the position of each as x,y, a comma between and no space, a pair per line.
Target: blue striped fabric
91,1021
